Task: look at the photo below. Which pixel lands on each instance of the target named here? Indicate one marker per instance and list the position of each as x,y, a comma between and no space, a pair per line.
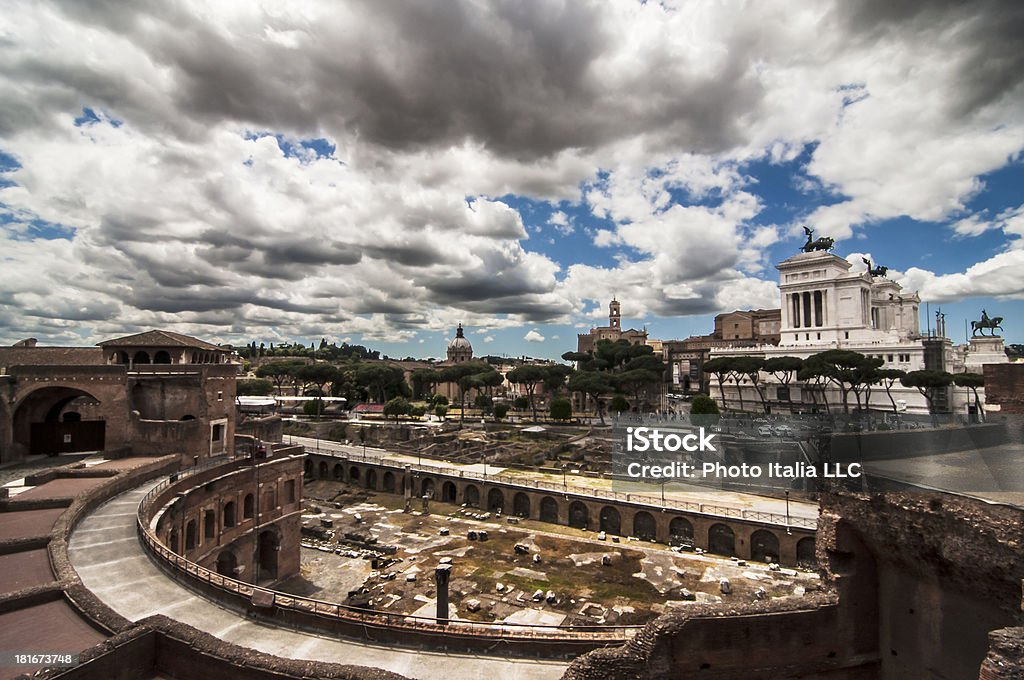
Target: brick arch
611,521
521,505
764,546
644,526
549,510
471,496
495,500
37,412
721,540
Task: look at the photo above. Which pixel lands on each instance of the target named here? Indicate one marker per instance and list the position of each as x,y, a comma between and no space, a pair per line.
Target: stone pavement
105,551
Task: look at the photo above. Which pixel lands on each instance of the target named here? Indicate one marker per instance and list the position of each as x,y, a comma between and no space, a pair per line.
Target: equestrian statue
824,243
874,271
978,327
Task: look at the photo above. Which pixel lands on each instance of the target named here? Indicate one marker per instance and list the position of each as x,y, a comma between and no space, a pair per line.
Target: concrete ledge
161,646
29,597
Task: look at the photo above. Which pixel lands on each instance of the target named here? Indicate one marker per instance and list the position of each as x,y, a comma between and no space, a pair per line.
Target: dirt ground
375,554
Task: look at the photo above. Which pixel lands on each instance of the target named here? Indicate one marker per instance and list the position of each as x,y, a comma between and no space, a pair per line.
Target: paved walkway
111,562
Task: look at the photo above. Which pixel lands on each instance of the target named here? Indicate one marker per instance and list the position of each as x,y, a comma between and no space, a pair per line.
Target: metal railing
356,615
710,509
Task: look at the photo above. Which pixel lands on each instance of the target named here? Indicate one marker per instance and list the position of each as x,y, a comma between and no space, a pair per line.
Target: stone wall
219,511
1004,387
922,586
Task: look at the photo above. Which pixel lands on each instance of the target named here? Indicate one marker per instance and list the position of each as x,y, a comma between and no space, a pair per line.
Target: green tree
593,384
972,381
929,382
888,377
784,369
399,406
500,411
417,411
529,376
318,375
555,377
520,403
380,379
423,381
618,404
844,368
313,407
749,368
441,411
484,403
258,387
440,400
279,372
720,367
703,405
561,409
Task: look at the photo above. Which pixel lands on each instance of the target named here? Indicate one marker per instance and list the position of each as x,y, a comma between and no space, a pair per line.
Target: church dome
459,348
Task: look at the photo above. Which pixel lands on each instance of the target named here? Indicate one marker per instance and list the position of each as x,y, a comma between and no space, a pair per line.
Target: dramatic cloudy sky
379,171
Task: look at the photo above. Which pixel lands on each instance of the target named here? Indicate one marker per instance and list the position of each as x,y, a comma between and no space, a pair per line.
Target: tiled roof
157,338
50,356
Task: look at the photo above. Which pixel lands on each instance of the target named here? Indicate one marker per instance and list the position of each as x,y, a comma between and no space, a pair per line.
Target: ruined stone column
442,574
407,487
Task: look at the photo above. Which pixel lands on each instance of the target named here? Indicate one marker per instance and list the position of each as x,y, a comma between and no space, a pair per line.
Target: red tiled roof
157,338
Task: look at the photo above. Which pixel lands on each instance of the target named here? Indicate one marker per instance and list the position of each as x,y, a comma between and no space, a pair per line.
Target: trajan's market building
826,305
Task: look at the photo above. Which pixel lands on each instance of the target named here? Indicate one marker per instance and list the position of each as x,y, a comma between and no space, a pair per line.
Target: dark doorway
764,547
611,522
721,540
427,487
389,482
521,505
549,510
805,553
644,527
269,544
371,479
49,421
579,516
495,500
226,564
680,531
471,496
448,492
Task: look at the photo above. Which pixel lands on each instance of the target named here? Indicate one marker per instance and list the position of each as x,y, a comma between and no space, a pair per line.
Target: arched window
190,535
209,524
229,514
247,507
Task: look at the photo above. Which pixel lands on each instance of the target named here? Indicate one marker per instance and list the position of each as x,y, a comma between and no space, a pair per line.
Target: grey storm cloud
519,78
436,110
987,35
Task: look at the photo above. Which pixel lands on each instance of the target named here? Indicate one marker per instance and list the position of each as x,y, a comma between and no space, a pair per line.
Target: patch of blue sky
564,246
22,228
91,117
298,148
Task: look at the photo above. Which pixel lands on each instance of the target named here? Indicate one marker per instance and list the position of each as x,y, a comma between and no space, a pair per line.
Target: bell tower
614,315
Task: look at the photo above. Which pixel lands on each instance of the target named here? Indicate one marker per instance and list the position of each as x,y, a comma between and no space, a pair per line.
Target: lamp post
565,484
787,510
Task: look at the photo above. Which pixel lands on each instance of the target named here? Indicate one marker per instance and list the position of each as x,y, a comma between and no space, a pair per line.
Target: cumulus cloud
533,335
237,174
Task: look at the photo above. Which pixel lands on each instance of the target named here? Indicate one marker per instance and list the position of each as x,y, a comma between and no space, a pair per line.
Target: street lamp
565,484
787,512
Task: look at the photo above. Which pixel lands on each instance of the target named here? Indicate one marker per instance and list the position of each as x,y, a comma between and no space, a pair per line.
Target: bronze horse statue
875,271
978,327
824,243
